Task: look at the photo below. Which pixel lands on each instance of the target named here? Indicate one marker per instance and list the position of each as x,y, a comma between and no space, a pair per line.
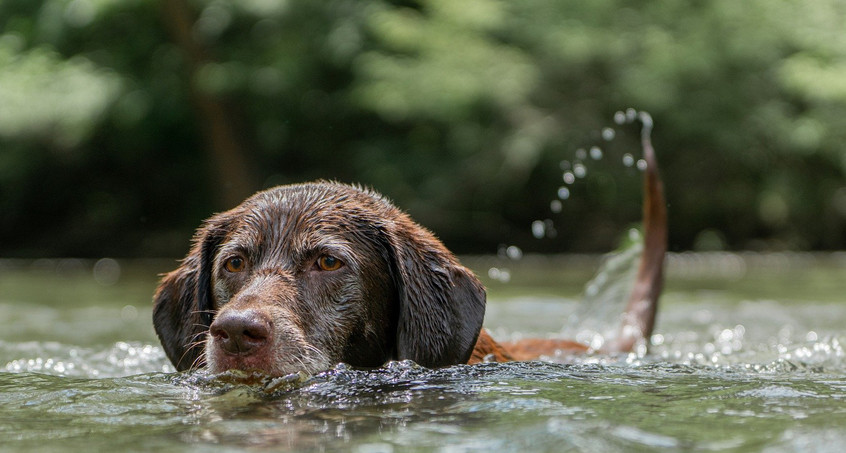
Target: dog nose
240,332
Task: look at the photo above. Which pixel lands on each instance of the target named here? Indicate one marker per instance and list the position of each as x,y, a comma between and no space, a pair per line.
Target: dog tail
639,315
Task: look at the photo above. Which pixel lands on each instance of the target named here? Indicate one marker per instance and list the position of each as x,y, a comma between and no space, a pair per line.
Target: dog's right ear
441,303
183,304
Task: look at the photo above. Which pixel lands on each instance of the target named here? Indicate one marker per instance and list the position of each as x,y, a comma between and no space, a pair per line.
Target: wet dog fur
301,277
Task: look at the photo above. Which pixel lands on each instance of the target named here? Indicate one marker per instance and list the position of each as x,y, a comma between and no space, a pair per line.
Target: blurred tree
215,114
123,123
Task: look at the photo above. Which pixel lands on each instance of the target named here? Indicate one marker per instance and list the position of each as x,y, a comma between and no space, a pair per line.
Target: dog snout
241,332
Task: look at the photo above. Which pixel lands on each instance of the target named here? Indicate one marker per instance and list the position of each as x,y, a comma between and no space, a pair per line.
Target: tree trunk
231,176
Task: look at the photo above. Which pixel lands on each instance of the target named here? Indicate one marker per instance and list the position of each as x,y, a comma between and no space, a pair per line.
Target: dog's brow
337,245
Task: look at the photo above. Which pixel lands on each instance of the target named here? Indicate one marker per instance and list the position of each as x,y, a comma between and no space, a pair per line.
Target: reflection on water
748,354
533,406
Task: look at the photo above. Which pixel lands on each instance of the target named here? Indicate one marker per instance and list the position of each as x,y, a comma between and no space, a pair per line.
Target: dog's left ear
183,305
441,303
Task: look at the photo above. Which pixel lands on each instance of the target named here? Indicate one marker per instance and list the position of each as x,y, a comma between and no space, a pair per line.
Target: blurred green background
124,123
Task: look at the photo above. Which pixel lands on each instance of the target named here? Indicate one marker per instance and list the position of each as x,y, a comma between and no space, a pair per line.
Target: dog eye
329,263
234,264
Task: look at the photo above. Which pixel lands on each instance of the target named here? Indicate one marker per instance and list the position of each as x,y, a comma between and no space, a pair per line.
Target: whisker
316,358
302,364
204,312
191,346
200,360
320,354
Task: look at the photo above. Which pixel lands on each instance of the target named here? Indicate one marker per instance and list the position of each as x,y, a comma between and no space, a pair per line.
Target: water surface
748,357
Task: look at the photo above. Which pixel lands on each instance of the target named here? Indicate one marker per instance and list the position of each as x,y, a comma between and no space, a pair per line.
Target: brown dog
301,277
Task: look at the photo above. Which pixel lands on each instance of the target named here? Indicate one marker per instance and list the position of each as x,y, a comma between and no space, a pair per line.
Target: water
749,357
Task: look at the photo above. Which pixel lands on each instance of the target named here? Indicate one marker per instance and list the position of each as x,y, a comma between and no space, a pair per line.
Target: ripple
777,392
121,359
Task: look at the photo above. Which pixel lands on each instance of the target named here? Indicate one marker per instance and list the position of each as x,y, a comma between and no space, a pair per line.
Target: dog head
301,277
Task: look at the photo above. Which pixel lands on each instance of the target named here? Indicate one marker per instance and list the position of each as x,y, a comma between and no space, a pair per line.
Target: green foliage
440,63
44,98
119,123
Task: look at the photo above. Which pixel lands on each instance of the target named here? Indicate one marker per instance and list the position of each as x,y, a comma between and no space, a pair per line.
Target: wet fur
400,294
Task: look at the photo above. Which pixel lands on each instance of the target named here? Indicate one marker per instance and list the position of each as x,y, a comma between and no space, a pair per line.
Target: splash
510,252
630,281
578,167
604,298
572,170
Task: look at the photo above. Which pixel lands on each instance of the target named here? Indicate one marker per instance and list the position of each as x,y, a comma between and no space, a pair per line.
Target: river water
748,355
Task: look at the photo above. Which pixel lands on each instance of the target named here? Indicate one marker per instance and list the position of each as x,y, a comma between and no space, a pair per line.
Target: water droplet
595,153
579,170
556,206
811,336
514,252
551,232
608,134
538,229
634,234
563,193
631,115
564,165
500,275
641,164
581,154
568,177
628,160
129,313
619,117
106,271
